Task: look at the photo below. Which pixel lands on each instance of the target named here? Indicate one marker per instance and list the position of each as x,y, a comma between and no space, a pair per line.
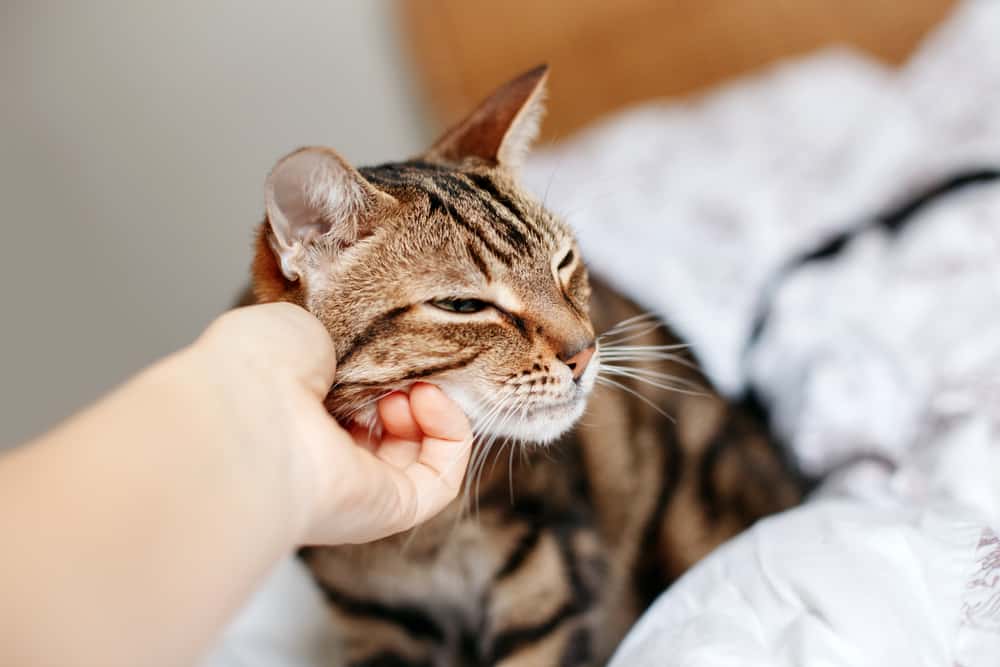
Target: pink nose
578,362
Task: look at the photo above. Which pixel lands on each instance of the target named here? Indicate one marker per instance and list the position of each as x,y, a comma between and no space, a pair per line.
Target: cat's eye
566,260
461,306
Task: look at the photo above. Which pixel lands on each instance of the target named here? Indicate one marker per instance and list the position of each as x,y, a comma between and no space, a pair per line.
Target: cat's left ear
502,128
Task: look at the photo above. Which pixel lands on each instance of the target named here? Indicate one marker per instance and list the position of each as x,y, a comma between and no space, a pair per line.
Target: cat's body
442,269
568,544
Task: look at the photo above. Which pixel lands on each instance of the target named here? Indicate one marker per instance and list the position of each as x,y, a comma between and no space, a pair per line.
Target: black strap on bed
892,222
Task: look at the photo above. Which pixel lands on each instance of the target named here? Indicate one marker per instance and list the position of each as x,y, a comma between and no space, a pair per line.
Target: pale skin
137,528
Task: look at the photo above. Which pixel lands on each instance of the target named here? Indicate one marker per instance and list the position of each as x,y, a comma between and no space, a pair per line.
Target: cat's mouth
538,422
528,418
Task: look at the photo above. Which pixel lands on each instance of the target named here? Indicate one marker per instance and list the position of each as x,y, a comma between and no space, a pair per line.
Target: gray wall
134,141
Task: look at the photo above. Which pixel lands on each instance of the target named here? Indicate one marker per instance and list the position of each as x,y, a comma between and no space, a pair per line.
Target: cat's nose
577,361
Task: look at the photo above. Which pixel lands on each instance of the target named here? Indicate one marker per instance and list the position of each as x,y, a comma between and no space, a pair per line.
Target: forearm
145,523
134,530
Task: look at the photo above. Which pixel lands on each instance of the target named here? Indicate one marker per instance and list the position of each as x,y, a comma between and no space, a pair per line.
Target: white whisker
630,332
510,470
632,357
641,317
676,380
646,348
507,414
661,383
487,428
615,383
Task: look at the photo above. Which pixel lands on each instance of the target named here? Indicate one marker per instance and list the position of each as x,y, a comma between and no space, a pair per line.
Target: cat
442,269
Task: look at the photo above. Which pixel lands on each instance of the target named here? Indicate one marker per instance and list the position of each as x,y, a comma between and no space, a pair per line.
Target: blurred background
135,136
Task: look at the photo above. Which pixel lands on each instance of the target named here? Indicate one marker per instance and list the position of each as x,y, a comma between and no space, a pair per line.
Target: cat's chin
540,424
546,423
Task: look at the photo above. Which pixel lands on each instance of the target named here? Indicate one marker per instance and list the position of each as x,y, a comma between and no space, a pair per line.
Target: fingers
401,437
440,466
437,415
397,418
391,483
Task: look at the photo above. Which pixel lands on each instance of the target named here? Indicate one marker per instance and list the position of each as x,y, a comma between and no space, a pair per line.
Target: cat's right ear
315,199
502,128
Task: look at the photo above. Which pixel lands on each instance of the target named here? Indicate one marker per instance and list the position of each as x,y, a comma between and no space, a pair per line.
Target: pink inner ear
502,127
295,196
311,194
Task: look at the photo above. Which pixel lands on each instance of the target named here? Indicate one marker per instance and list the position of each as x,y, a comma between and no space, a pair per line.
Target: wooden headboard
607,54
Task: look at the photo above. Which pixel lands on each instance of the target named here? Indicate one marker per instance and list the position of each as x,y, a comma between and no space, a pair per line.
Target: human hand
270,367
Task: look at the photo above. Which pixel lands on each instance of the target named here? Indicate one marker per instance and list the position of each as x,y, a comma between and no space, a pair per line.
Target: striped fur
556,549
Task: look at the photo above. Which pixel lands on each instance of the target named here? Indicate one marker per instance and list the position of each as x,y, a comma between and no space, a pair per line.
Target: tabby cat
442,269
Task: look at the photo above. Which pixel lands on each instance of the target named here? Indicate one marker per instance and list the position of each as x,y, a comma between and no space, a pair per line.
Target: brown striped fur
564,544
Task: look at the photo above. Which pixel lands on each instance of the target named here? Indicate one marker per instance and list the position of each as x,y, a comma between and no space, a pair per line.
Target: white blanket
891,348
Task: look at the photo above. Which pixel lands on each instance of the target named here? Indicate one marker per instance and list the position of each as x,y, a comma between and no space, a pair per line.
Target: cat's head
439,269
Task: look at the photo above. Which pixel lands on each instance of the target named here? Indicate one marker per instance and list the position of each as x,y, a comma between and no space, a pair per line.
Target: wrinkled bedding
888,352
